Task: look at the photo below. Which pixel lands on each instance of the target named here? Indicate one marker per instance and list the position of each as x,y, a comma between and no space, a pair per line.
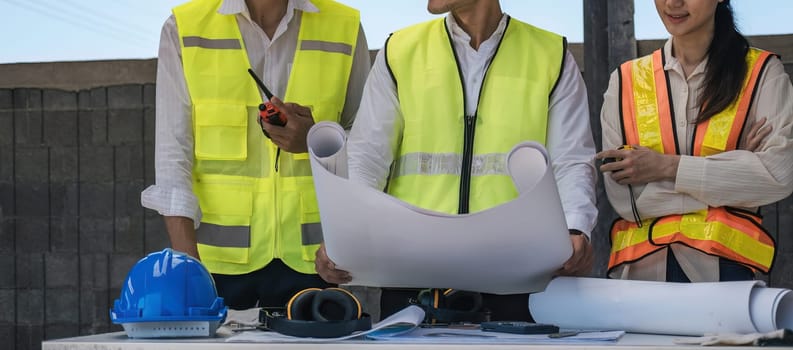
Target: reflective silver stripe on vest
312,233
449,164
327,46
222,44
224,236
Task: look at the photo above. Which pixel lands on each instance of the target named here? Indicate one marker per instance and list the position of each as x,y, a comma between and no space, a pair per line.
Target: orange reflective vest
648,120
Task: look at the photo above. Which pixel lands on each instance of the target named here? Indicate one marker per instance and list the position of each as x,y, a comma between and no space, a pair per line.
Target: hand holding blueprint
384,242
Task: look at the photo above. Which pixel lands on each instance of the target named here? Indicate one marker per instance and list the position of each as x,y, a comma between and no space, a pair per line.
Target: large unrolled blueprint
663,307
385,242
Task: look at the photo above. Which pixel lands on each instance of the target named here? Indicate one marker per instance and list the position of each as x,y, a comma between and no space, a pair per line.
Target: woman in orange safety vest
699,135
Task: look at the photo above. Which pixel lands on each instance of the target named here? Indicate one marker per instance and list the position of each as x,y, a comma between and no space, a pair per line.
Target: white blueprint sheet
663,307
477,336
384,242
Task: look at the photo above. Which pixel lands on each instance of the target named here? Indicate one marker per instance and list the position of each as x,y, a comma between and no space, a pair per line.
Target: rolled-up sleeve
172,194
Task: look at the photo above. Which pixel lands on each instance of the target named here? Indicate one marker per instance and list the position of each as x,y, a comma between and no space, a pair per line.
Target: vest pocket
310,228
221,131
225,231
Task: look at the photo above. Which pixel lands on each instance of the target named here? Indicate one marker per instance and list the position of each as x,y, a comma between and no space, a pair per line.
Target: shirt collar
233,7
673,64
460,34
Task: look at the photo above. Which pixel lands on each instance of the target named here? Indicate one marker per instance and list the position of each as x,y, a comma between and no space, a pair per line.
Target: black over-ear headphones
451,305
318,313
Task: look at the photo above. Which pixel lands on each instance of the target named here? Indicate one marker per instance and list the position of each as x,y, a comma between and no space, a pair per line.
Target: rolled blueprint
663,307
385,242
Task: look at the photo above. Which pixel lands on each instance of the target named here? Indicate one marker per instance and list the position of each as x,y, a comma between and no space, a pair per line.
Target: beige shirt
736,178
271,58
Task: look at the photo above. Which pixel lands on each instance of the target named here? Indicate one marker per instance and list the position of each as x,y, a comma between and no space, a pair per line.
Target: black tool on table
519,327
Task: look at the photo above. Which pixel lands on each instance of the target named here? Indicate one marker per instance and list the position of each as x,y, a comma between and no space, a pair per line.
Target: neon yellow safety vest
450,162
251,212
648,120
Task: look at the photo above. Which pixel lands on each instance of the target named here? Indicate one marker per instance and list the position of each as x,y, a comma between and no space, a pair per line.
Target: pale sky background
79,30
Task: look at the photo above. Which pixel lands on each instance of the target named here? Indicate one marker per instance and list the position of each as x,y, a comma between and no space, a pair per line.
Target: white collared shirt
271,58
374,139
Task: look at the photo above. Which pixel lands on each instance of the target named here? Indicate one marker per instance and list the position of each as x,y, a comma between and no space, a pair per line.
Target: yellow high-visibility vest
648,120
251,212
450,162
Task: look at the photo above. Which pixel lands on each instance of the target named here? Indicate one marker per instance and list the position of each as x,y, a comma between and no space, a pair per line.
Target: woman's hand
639,165
755,139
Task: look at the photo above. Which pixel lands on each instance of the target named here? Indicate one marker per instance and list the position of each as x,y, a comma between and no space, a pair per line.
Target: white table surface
120,341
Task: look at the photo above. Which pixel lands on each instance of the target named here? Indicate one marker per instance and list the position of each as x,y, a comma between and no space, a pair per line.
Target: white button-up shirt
374,139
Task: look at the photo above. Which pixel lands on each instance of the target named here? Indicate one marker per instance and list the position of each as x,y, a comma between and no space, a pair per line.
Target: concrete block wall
72,166
75,153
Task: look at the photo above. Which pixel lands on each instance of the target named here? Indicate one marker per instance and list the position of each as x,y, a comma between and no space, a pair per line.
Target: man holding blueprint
444,103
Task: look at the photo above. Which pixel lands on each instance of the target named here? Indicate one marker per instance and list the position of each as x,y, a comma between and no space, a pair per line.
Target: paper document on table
401,322
384,242
470,336
663,307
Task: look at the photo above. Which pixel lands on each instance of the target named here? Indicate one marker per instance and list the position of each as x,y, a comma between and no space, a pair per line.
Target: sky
80,30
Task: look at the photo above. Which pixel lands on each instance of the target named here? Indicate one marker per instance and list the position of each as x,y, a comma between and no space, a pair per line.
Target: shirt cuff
172,201
581,223
690,175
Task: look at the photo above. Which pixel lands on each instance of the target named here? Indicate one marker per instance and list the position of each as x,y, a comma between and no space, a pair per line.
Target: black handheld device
519,327
613,159
608,160
637,219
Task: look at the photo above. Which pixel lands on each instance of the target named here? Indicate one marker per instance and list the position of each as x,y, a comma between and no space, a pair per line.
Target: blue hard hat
168,286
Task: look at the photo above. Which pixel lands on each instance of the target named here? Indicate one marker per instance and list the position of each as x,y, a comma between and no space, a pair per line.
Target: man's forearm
181,231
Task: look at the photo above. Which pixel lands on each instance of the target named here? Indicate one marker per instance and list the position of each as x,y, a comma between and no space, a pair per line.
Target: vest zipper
277,157
276,214
470,125
468,155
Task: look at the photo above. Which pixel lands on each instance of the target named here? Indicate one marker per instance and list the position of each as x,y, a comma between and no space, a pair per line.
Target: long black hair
727,67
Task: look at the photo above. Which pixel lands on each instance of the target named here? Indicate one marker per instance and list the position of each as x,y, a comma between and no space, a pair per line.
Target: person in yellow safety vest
234,193
709,122
447,99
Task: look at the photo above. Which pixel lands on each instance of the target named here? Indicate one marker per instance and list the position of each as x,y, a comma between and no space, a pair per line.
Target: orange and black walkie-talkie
267,112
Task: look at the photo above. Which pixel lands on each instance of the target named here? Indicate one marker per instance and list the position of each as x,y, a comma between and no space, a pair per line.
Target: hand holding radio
615,159
292,136
638,165
268,113
286,124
